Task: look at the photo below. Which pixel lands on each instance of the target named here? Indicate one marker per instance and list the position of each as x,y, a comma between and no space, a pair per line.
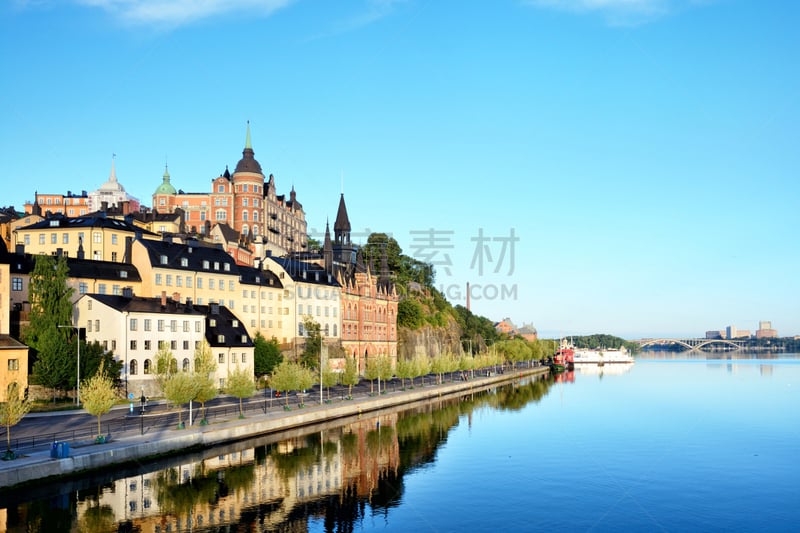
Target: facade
13,354
369,299
505,326
765,330
94,236
71,205
135,328
246,201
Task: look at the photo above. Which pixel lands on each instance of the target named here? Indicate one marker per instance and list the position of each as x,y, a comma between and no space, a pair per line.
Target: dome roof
248,162
165,187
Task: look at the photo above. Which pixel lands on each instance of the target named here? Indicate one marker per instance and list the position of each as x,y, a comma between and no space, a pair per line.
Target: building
369,299
715,334
136,328
506,326
111,194
765,330
70,204
528,332
13,354
246,201
94,236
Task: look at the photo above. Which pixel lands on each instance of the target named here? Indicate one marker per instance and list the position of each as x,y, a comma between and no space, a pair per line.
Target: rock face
428,340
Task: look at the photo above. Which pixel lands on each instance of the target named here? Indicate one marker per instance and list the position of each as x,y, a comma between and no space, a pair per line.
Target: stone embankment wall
428,340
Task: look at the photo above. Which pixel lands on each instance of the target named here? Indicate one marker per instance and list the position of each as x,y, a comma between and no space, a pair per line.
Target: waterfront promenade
131,447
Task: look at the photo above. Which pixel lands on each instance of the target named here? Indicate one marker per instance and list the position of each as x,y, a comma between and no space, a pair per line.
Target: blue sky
618,166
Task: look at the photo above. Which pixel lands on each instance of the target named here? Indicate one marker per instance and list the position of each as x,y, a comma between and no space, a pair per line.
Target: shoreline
84,458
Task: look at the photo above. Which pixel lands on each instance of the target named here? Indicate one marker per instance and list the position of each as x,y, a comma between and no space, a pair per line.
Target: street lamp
78,381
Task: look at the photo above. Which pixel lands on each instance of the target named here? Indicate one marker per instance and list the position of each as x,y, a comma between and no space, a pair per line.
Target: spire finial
247,143
113,175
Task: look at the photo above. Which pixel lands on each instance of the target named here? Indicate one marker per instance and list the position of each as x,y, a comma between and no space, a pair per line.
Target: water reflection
277,483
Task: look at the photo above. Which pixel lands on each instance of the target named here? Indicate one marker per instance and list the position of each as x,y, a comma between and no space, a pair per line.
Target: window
97,237
186,364
97,325
220,188
116,290
173,345
169,280
221,339
113,344
83,287
188,282
133,368
148,346
205,264
113,238
123,273
65,238
185,345
221,357
186,326
13,364
211,284
133,344
134,324
147,364
164,259
160,325
148,324
41,238
184,262
27,240
197,326
158,279
16,284
233,357
244,357
231,286
54,238
179,281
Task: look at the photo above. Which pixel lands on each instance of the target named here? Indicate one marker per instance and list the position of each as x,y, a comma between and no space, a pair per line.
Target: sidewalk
131,447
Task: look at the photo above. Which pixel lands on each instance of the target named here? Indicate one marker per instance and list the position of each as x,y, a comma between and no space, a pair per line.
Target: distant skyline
588,166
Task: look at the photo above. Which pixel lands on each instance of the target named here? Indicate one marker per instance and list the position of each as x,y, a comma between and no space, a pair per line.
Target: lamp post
78,380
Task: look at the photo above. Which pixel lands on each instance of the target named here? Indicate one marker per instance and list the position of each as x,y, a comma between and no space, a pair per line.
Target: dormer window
227,267
54,223
123,273
212,323
221,339
184,262
164,259
216,265
205,264
235,323
244,339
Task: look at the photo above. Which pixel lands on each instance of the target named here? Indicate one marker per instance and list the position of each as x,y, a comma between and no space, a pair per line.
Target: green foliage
50,297
405,370
179,388
94,358
204,371
291,377
98,394
350,375
240,383
403,269
267,355
409,314
311,353
602,340
54,367
12,411
476,331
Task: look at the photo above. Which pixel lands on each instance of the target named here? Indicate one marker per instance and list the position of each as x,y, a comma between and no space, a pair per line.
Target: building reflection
331,476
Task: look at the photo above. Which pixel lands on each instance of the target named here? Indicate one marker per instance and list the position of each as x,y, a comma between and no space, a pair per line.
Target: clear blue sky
643,154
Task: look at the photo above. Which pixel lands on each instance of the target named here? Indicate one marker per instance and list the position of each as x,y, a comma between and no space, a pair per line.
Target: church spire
341,227
247,143
327,248
113,176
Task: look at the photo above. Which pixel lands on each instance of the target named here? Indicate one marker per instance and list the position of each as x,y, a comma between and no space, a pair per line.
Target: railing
136,423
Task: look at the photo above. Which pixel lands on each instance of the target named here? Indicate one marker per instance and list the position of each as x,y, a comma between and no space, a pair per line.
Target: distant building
505,326
71,205
765,330
111,194
528,332
715,334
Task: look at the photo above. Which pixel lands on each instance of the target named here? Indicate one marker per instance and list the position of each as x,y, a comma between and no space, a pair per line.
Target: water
665,445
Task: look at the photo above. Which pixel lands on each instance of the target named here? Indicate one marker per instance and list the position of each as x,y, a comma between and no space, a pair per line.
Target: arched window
148,367
173,366
133,368
186,364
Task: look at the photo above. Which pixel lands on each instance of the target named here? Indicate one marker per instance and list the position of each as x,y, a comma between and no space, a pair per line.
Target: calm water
669,444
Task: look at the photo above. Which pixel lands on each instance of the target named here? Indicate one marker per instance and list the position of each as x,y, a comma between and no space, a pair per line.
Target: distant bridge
693,344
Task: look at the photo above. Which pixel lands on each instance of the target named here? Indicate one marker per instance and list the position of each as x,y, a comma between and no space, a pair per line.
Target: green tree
385,370
53,368
12,411
422,367
440,365
405,370
409,314
180,388
350,375
291,377
267,355
164,366
329,379
311,353
240,383
93,357
204,372
372,372
98,395
50,297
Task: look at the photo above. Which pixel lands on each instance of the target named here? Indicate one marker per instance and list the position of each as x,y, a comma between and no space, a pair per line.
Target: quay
38,466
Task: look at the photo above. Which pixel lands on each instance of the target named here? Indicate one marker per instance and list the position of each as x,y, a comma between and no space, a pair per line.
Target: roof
248,162
189,257
166,187
96,220
305,272
253,276
139,304
78,268
225,323
8,342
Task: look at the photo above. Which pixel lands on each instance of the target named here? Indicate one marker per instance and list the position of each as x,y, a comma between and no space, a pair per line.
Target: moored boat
602,356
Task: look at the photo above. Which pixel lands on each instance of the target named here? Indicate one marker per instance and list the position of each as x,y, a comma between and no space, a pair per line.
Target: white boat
602,357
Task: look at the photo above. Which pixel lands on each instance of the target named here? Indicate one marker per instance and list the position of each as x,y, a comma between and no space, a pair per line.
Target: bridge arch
693,344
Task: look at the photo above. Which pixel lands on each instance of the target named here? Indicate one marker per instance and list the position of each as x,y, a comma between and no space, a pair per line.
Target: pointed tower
165,187
344,253
248,191
327,249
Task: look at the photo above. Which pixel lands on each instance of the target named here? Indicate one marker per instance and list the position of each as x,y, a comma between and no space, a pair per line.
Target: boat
563,358
602,356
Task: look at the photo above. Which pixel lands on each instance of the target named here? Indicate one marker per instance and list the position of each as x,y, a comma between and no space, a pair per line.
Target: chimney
188,302
163,299
214,308
19,249
177,297
127,292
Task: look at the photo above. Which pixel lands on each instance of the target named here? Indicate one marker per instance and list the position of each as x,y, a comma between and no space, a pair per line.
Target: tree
385,371
329,379
405,369
371,372
422,367
54,368
350,375
240,383
180,388
165,366
98,395
409,314
267,355
12,411
311,353
204,370
93,356
283,379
